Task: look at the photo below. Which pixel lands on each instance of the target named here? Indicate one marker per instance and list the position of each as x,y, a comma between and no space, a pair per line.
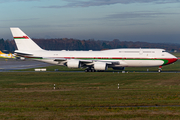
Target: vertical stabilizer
1,52
23,42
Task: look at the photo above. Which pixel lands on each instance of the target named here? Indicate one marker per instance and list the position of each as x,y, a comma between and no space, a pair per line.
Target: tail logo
24,37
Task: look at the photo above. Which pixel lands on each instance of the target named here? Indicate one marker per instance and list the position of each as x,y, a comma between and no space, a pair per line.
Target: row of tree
8,45
73,44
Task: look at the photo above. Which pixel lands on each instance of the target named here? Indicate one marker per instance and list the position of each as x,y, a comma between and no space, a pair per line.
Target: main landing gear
90,70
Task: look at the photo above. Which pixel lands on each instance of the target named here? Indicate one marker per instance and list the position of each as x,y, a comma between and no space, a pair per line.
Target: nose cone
171,60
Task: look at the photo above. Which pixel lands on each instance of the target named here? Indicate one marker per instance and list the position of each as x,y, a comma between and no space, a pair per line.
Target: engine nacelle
100,66
118,68
73,64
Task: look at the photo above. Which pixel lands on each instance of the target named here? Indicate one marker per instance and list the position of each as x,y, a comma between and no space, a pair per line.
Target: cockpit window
163,51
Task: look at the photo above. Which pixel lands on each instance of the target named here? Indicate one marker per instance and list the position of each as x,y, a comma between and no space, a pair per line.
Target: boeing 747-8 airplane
117,59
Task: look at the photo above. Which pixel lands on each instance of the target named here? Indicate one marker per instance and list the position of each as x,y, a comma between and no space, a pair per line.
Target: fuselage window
146,51
128,51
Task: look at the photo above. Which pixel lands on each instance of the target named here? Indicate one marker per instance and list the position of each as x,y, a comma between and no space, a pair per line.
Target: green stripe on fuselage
165,61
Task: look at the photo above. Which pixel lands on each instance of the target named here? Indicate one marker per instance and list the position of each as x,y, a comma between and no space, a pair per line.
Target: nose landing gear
160,69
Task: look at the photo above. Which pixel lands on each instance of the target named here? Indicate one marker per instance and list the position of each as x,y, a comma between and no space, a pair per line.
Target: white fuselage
123,57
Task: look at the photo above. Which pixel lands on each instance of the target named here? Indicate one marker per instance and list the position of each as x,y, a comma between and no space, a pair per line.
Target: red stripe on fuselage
172,60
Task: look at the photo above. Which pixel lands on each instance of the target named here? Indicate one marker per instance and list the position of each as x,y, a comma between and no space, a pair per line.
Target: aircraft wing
65,59
86,61
60,59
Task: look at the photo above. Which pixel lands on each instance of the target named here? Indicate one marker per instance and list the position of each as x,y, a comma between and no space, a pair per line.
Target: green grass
30,95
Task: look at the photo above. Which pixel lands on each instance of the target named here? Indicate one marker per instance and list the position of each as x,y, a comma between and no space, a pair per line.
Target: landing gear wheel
90,70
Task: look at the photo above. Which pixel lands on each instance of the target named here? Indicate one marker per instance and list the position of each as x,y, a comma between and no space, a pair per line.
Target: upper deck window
148,52
128,51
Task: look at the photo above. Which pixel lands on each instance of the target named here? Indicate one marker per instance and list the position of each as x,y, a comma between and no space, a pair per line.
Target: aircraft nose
175,59
172,60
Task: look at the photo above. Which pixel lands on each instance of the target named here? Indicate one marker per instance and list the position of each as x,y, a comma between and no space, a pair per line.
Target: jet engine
100,66
73,64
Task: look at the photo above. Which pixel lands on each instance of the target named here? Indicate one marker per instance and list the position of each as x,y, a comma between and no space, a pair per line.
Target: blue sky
126,20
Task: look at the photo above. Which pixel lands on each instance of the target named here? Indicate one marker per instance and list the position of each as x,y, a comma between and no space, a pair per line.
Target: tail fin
1,52
23,42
